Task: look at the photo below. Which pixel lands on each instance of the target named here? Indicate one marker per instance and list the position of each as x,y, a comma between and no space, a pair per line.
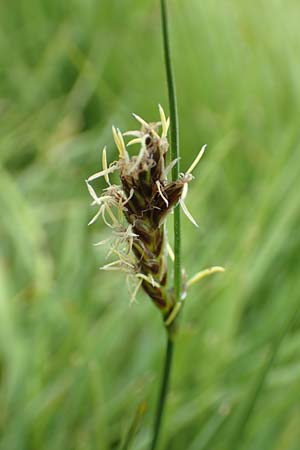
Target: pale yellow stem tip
204,273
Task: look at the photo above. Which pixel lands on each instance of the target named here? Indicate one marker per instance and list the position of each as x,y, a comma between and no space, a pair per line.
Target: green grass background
75,359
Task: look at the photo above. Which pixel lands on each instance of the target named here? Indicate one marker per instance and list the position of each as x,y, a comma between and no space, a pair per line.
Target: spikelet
136,210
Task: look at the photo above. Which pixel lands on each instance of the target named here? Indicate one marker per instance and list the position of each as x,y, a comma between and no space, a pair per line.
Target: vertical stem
177,237
163,392
174,144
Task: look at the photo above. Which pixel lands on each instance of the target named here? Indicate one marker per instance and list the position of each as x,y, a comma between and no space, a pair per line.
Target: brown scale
146,211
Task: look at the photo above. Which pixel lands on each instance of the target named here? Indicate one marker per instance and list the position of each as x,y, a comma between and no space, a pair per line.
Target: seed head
136,209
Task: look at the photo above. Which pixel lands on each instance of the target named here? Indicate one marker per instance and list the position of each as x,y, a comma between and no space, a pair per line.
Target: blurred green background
75,359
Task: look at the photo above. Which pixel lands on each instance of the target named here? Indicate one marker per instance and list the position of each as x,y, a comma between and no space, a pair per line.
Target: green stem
174,144
177,236
163,392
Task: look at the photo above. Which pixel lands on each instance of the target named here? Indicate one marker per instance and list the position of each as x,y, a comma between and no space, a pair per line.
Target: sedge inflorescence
136,209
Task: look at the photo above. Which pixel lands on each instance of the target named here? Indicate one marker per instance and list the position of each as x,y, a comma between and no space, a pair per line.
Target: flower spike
136,210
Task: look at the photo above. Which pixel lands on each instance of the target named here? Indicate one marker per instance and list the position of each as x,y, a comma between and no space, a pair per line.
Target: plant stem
177,236
163,392
174,144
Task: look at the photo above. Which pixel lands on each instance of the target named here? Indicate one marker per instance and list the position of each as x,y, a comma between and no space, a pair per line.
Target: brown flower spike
136,210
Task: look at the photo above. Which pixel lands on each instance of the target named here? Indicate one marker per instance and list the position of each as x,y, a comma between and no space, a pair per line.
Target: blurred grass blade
135,426
248,408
